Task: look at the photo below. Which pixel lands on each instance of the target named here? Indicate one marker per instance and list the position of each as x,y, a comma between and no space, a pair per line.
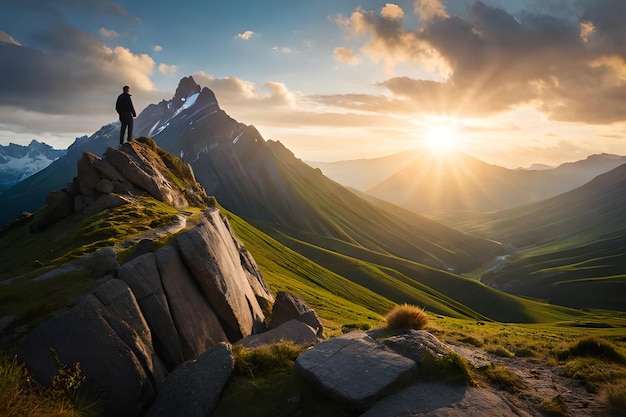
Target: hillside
434,183
571,246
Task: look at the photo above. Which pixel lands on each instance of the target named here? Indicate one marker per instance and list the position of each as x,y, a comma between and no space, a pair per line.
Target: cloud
571,67
247,35
392,12
282,49
108,33
168,69
346,56
158,48
430,9
6,38
240,93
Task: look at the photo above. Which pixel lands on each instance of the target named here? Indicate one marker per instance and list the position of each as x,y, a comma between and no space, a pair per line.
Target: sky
511,82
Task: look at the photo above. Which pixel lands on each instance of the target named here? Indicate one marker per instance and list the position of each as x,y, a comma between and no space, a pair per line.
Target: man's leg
122,132
130,128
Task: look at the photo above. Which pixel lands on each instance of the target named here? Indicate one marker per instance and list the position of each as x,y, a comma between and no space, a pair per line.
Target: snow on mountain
18,162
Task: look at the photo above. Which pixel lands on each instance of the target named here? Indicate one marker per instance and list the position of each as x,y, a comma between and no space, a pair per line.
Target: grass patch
451,369
406,316
504,378
555,406
21,396
593,347
500,351
596,361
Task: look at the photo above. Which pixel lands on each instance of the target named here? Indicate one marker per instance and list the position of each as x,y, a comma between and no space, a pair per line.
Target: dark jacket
124,105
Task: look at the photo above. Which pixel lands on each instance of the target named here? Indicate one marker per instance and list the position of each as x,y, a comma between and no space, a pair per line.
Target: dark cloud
62,69
572,65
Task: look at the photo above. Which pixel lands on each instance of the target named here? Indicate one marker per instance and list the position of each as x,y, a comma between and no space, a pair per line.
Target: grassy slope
442,292
571,245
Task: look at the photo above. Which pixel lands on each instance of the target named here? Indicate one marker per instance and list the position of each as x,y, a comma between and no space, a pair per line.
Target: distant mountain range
429,183
18,162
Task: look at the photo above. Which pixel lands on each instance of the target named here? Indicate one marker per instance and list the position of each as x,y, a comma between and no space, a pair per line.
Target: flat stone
355,369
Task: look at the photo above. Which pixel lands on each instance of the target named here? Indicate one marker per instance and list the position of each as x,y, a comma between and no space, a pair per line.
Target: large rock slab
142,172
142,276
107,335
196,322
293,331
288,307
194,388
443,400
209,251
355,369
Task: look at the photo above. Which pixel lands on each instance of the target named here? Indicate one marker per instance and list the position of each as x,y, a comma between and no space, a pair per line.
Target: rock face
110,339
161,309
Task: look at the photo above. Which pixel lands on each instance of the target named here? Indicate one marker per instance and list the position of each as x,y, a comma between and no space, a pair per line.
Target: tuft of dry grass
555,406
20,395
614,396
406,316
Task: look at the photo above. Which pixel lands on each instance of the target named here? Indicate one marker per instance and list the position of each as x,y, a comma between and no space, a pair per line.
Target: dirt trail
543,383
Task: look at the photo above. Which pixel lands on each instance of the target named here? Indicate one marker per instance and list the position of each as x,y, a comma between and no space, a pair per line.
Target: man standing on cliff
124,107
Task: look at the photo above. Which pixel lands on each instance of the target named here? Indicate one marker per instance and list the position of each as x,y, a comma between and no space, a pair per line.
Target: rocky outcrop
135,168
159,310
379,374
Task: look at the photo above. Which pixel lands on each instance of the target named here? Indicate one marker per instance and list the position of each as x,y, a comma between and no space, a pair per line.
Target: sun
441,139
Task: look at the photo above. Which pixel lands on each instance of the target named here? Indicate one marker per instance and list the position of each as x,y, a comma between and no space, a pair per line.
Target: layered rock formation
136,168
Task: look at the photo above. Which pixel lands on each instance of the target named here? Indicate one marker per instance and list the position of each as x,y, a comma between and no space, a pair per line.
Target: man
124,107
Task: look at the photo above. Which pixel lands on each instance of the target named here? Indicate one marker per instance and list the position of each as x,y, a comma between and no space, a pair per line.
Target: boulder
294,331
196,322
214,262
289,307
88,175
194,388
414,344
107,335
355,369
142,276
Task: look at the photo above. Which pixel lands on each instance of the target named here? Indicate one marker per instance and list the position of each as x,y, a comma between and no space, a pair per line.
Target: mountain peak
186,87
